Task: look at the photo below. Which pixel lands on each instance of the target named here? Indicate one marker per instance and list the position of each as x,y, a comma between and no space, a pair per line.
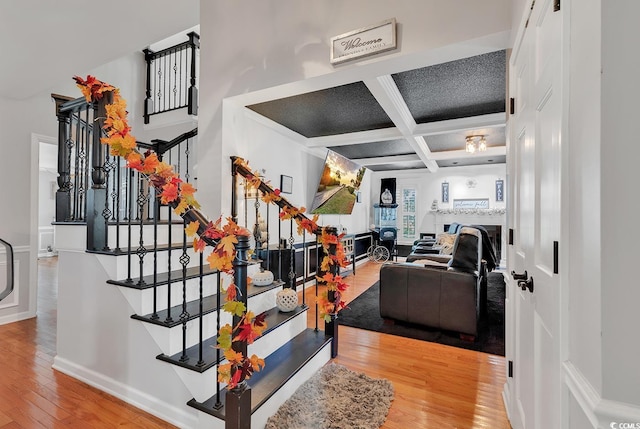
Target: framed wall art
499,190
445,192
286,184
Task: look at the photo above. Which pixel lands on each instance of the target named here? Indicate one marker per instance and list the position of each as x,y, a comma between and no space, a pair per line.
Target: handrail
163,146
10,277
265,188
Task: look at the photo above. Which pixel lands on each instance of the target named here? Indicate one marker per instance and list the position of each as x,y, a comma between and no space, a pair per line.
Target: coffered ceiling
415,119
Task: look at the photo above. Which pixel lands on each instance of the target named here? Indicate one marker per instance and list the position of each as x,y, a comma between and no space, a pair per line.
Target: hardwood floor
436,386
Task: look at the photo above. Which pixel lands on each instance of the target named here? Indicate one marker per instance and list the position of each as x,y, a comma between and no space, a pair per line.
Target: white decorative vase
262,278
287,300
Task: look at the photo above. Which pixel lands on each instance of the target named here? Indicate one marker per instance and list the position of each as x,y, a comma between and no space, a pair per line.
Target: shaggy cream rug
336,398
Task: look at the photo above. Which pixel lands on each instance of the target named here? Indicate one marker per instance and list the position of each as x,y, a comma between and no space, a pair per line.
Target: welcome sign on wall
364,41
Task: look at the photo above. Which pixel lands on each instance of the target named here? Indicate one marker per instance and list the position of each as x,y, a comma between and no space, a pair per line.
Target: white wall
276,153
428,188
585,195
18,119
620,203
271,43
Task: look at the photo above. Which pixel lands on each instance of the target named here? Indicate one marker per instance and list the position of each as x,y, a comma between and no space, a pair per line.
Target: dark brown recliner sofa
444,296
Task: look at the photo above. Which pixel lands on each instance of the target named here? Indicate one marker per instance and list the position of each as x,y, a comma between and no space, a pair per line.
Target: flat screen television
338,184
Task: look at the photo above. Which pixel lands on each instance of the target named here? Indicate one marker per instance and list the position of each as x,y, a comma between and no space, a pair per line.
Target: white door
533,339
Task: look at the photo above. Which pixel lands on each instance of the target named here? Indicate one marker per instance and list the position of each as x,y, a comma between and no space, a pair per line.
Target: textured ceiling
412,119
370,150
457,89
343,109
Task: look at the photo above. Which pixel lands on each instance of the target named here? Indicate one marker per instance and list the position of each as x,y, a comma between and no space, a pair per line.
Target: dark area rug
364,313
335,398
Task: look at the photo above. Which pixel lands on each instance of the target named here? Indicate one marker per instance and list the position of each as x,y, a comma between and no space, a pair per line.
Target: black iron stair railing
171,80
96,188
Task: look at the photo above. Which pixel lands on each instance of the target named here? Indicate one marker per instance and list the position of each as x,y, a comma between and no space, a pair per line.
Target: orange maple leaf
199,244
134,160
220,263
169,193
151,162
164,170
256,363
187,189
231,292
227,244
233,357
246,333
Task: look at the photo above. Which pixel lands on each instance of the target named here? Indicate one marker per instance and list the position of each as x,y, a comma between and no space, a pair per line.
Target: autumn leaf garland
180,196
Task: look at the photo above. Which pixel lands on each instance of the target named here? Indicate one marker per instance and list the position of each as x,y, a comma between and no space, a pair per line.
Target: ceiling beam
458,154
360,137
386,92
492,120
392,159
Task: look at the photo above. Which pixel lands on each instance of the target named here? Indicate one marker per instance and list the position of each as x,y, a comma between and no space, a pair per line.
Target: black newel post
331,327
194,44
238,400
148,100
97,194
63,194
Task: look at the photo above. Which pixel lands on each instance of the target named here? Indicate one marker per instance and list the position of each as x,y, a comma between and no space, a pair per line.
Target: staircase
139,309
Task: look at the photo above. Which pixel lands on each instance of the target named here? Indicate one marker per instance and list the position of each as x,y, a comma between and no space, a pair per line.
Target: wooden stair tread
163,278
209,305
124,250
280,366
274,319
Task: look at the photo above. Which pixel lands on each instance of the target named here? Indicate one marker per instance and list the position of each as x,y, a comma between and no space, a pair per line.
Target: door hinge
511,236
556,5
511,368
555,257
512,105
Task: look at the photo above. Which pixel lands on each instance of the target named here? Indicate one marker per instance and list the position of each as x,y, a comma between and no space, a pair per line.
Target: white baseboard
17,317
600,412
150,404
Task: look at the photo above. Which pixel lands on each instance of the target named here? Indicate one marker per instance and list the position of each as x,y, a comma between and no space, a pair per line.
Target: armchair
446,296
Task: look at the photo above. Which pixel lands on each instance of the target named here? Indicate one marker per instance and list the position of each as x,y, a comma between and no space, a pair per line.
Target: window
408,213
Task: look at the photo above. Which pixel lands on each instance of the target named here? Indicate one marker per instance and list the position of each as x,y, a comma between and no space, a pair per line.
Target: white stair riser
170,339
263,302
177,231
203,386
141,301
173,342
268,344
161,263
209,287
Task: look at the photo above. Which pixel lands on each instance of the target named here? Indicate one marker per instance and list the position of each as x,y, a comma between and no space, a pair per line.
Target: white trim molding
600,412
135,397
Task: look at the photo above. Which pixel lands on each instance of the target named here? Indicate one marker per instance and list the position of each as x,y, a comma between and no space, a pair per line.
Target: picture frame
445,192
286,184
500,190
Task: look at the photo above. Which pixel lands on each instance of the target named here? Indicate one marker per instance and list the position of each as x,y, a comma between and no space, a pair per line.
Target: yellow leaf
181,207
233,357
257,363
227,244
192,228
224,372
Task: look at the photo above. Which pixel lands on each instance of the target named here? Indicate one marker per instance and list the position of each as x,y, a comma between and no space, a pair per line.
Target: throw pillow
446,241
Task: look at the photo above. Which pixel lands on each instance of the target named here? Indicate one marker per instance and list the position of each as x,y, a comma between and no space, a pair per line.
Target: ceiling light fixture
476,143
